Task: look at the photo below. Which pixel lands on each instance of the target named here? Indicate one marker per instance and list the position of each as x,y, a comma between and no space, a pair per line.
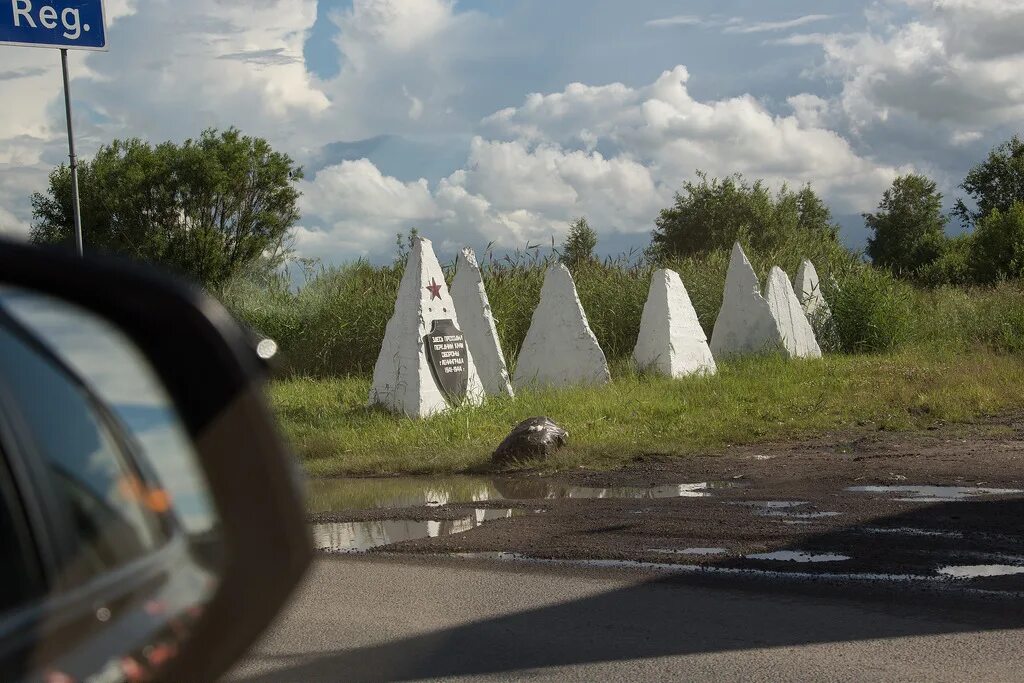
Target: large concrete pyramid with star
560,349
403,379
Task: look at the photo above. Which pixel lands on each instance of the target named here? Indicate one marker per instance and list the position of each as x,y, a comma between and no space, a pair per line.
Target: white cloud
662,127
509,193
735,24
966,137
415,104
209,64
613,153
400,67
11,225
957,62
763,26
678,20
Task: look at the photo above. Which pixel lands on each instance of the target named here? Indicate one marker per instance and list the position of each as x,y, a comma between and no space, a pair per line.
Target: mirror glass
103,492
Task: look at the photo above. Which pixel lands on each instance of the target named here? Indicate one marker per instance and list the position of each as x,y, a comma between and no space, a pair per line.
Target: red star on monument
435,289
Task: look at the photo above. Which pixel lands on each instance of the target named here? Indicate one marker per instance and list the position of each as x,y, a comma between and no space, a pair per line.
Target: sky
498,122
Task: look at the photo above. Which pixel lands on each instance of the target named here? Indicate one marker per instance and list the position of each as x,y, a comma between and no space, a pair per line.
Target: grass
900,356
752,400
334,325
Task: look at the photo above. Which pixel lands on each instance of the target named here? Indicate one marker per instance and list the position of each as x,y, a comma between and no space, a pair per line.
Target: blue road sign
69,24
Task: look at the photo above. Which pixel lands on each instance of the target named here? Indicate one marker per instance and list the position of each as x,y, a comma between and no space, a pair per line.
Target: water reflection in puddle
788,509
934,494
772,504
976,571
353,537
400,492
798,556
689,551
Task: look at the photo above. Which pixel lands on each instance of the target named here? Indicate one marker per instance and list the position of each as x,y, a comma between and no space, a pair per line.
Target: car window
114,519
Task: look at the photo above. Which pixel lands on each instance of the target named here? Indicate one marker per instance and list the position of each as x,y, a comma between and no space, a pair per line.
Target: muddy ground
763,499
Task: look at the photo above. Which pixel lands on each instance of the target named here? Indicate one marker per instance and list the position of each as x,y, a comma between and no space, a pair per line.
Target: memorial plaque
449,359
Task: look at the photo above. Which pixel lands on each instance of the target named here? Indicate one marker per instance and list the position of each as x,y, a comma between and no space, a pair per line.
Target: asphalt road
369,619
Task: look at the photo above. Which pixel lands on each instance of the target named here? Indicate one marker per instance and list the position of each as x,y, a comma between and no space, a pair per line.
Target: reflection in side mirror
116,535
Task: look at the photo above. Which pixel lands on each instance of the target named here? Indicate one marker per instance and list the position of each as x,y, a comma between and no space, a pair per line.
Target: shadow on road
682,615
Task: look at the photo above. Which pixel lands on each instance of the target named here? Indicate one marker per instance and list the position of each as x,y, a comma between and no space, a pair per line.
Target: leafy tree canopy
908,229
207,209
709,215
996,183
998,244
579,244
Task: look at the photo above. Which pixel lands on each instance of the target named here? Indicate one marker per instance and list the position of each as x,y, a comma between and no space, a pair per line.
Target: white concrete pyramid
808,291
474,309
797,333
402,378
560,349
671,341
745,324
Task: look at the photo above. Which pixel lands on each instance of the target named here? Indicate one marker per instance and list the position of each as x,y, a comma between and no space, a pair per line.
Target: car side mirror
152,514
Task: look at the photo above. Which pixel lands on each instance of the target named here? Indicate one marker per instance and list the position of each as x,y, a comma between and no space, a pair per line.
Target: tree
579,244
996,183
909,227
207,209
998,244
712,214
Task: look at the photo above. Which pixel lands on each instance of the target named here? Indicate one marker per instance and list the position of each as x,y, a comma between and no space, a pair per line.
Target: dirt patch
801,498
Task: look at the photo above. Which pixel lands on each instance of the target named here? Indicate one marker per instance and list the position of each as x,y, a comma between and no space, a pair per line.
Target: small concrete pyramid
560,349
474,309
403,380
808,291
745,324
797,333
671,341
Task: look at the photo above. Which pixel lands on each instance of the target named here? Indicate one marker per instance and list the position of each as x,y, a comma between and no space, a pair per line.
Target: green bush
953,265
872,311
999,244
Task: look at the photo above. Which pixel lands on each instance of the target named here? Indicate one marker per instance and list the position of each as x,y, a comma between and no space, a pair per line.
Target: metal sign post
64,24
76,208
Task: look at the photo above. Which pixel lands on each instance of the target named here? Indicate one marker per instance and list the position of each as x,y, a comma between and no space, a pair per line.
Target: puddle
798,556
804,515
934,494
975,571
790,509
332,495
771,504
689,551
354,537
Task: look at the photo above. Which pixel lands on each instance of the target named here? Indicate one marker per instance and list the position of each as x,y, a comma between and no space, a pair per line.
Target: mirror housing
213,375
